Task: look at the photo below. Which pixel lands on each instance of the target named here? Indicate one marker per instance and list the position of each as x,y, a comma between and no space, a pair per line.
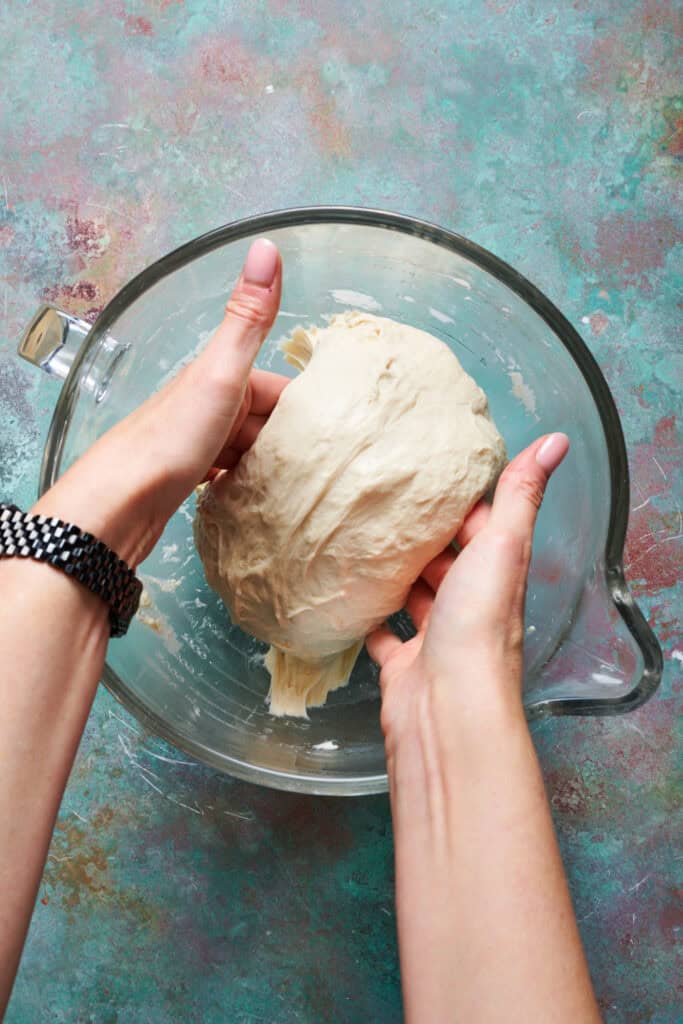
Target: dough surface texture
364,471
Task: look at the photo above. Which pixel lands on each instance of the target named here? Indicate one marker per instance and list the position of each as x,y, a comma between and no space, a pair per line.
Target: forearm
53,631
486,926
53,637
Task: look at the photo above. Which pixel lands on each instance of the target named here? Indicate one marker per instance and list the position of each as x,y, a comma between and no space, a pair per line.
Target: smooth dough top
365,470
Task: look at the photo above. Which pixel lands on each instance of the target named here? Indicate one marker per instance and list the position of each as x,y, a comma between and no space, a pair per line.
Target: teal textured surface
551,134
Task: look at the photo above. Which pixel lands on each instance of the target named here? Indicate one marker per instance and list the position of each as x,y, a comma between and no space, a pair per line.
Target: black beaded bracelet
78,554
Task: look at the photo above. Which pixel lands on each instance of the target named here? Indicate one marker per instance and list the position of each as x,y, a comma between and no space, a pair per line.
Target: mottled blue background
550,133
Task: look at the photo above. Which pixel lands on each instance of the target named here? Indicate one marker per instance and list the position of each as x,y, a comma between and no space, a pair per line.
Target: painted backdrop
550,133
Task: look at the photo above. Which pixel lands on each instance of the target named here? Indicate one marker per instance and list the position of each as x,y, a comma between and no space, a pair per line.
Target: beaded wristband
78,554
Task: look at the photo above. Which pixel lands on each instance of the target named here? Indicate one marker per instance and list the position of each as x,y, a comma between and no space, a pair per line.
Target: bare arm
487,932
51,664
53,631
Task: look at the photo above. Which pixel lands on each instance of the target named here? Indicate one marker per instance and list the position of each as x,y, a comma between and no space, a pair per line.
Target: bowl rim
618,589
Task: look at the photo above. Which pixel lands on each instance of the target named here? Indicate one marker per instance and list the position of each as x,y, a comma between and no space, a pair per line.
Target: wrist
114,518
478,729
482,699
453,728
478,690
38,589
74,552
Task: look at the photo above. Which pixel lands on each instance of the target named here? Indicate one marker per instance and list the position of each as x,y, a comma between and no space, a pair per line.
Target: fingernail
261,263
552,451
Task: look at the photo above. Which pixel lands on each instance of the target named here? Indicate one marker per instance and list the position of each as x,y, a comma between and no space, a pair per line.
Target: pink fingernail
552,451
261,263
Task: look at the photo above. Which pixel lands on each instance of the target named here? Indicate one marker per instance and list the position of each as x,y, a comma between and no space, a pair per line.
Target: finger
381,644
419,604
249,315
243,410
261,393
266,388
216,471
240,442
521,486
480,600
475,521
248,432
433,573
228,459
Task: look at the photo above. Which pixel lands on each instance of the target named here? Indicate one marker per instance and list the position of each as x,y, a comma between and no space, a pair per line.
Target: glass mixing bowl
198,681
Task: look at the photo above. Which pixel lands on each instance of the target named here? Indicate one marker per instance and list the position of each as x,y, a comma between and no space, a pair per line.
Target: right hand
468,609
128,484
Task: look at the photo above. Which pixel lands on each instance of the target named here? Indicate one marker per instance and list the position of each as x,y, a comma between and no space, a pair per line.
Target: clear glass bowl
198,681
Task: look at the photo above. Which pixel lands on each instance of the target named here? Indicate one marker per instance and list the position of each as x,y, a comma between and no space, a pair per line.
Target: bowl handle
52,340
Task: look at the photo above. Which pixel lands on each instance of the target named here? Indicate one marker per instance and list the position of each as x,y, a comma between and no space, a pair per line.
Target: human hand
129,483
485,922
468,609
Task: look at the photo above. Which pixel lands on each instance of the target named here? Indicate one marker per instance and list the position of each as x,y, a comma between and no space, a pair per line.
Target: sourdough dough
365,470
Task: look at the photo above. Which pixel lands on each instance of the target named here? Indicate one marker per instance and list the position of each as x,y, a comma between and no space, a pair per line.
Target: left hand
468,611
130,482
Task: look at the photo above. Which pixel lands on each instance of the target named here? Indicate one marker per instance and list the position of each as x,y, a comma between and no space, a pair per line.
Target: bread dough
364,471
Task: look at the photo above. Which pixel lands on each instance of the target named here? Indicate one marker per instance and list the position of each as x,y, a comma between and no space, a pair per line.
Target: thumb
484,589
249,315
522,484
202,404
